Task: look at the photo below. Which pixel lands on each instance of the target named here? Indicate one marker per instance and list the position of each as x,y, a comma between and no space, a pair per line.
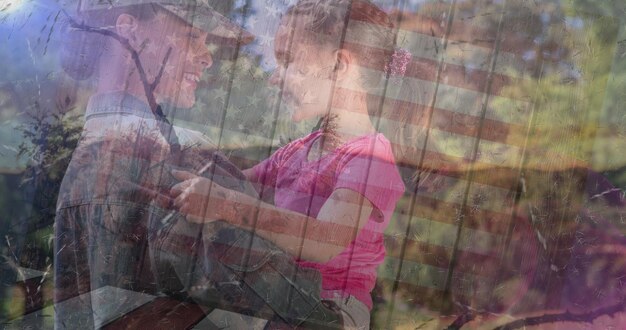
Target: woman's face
188,58
305,71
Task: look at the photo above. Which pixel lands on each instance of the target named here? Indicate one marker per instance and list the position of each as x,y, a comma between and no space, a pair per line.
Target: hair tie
399,62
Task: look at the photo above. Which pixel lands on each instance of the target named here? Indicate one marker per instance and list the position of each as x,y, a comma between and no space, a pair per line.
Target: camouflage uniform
101,223
109,233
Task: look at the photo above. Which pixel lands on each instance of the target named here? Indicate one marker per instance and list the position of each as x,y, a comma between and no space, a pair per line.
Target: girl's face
305,71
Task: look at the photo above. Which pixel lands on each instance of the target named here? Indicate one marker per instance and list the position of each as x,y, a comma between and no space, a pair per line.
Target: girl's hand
199,198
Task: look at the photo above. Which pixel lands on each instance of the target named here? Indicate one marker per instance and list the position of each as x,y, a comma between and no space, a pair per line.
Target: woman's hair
367,25
82,49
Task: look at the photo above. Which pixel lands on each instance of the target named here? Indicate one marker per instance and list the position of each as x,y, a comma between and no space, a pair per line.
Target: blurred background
515,194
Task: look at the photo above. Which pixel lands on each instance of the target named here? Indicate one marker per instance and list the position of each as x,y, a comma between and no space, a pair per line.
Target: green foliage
571,73
50,137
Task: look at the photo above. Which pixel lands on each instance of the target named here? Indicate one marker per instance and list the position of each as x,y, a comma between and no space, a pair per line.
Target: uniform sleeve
373,174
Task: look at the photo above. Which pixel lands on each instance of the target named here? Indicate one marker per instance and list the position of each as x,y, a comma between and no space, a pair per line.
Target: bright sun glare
7,6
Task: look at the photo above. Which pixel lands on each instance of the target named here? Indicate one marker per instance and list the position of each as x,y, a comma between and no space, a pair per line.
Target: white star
162,19
226,68
252,22
273,11
253,99
220,94
243,64
307,98
257,73
212,48
265,40
237,84
151,48
235,110
296,80
174,40
169,68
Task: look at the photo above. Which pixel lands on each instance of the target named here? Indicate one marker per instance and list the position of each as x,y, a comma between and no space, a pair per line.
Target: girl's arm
339,220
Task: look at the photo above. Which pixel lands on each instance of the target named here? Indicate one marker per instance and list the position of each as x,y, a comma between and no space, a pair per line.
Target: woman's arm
339,220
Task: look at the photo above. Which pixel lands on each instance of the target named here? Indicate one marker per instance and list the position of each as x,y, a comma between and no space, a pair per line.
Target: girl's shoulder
297,144
372,145
369,162
309,138
288,150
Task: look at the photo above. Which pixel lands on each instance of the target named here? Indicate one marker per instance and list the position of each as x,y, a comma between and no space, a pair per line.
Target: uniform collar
111,103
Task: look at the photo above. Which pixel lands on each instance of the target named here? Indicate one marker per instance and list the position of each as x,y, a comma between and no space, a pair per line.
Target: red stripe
426,69
420,295
439,256
492,175
416,294
445,120
497,177
419,252
445,212
457,168
462,31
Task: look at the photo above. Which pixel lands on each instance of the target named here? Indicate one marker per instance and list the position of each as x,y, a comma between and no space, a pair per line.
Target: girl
334,190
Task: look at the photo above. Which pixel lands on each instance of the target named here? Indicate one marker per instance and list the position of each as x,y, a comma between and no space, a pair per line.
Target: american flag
459,231
460,234
451,233
471,155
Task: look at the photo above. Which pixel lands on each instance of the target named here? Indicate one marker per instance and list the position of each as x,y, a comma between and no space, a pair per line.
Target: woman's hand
200,199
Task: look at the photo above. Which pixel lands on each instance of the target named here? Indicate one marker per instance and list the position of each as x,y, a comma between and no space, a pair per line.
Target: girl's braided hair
350,24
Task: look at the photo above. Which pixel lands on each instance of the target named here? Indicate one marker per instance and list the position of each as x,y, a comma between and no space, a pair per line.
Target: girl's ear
344,61
126,27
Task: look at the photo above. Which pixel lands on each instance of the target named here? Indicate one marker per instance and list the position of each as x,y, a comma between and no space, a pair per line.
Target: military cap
195,12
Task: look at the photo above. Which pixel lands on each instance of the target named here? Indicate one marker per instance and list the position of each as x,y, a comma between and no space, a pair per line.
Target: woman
336,188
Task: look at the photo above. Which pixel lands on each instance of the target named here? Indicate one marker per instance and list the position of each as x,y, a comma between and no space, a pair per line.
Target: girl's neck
340,127
343,125
335,132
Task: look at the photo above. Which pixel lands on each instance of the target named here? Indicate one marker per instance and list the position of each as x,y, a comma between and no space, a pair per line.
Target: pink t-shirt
365,165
